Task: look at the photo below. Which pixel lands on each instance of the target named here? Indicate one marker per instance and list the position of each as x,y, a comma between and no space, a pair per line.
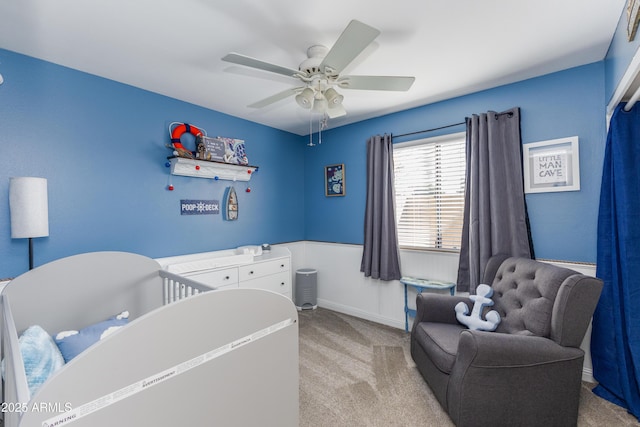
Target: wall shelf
211,170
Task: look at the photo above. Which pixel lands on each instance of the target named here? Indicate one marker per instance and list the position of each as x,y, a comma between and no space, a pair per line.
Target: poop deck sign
199,207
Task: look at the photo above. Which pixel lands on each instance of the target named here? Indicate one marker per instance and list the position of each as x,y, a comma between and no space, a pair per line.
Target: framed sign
235,152
334,180
551,165
210,148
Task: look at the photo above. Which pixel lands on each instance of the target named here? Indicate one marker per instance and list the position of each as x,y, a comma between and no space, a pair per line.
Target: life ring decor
180,130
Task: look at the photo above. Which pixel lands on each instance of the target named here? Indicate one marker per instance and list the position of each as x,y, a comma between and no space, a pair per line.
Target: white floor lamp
29,207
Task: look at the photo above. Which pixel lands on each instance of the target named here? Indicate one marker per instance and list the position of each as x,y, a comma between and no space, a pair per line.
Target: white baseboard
360,314
587,375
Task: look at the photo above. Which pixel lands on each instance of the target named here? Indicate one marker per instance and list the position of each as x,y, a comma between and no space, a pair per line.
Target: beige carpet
358,373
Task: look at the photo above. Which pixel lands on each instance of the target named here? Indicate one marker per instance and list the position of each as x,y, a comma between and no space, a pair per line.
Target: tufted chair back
535,298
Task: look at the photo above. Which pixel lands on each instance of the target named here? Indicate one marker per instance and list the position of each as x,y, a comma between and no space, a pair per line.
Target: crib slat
177,287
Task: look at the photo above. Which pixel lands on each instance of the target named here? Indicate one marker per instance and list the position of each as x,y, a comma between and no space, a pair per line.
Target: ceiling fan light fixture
320,74
319,103
305,98
333,97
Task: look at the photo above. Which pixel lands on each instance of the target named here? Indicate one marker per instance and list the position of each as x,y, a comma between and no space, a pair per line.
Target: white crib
189,356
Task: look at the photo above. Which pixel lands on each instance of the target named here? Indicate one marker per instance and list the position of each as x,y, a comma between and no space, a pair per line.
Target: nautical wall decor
199,207
213,158
220,149
210,148
235,152
230,208
176,131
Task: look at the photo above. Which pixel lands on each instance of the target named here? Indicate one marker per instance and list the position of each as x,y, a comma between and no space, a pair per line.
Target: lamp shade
305,98
29,207
333,97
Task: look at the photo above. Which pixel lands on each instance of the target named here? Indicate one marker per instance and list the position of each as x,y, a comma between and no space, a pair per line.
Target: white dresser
230,269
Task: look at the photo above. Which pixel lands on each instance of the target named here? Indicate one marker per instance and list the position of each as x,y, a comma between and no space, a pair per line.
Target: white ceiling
173,48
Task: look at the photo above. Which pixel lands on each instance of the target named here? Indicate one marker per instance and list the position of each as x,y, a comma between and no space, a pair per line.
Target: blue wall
558,105
101,145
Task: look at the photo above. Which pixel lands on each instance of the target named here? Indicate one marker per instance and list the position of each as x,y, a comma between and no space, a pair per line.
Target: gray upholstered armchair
526,373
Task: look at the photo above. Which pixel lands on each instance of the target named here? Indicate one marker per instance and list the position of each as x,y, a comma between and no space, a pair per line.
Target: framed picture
334,180
551,165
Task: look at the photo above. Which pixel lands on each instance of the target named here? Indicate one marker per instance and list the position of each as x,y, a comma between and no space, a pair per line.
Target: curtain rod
632,100
428,130
509,113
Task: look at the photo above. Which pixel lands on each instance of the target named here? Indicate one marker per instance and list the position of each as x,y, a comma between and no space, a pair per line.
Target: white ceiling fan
320,73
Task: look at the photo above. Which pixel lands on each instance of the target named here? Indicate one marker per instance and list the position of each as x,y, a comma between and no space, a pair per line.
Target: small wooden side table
420,285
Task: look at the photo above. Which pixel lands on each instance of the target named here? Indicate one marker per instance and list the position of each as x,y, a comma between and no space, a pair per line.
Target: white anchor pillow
474,320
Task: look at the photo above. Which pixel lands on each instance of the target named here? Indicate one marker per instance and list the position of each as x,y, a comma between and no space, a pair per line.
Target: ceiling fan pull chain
311,144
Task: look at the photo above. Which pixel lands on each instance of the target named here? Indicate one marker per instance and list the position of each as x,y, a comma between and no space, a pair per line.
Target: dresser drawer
218,278
279,282
261,269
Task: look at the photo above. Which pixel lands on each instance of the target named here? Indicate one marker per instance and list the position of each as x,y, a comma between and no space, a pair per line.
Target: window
429,186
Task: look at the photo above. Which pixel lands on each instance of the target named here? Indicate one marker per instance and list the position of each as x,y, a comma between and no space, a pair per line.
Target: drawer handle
226,277
281,265
251,272
282,284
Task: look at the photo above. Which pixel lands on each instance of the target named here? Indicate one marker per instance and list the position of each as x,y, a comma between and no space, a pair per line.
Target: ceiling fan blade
398,83
275,98
337,111
353,40
247,61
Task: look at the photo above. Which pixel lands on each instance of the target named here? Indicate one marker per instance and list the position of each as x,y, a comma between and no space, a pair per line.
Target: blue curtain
615,342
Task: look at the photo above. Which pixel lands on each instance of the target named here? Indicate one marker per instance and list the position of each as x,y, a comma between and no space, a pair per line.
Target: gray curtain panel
380,255
495,214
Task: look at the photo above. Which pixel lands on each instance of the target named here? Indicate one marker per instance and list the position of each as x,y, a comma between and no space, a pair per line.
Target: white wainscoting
343,288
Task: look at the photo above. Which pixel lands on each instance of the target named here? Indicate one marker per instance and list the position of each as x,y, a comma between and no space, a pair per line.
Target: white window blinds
429,186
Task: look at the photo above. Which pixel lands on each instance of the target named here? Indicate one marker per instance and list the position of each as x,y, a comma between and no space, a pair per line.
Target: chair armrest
438,308
497,350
